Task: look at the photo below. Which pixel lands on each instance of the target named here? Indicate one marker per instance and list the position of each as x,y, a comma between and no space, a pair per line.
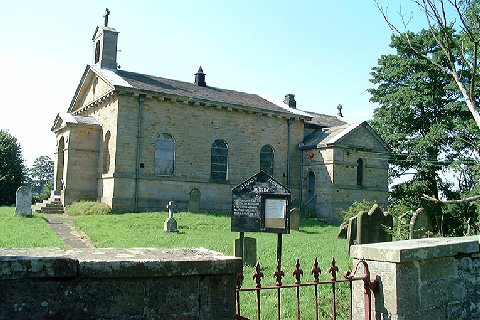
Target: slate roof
328,136
324,120
144,82
68,118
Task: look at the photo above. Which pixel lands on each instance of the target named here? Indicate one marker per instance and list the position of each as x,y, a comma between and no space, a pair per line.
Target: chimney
290,101
200,78
105,45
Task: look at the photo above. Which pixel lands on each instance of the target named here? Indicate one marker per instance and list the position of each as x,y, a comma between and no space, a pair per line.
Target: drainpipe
141,101
289,123
301,180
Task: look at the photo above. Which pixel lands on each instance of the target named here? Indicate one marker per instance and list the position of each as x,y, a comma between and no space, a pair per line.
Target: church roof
149,83
333,135
324,120
327,136
62,119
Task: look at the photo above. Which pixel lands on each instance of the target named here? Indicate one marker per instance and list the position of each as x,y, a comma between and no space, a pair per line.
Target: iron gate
348,277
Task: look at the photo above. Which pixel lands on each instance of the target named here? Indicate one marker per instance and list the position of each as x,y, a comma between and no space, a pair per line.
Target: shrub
85,207
354,209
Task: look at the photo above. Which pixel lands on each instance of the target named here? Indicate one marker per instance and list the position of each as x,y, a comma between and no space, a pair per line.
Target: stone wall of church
106,165
81,155
194,128
336,187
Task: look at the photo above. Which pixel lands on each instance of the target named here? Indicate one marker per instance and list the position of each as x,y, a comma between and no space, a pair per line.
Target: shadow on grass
211,214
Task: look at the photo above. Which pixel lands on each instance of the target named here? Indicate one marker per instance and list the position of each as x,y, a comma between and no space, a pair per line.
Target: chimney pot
200,78
290,101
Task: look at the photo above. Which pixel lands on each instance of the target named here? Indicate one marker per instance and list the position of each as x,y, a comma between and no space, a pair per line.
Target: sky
321,51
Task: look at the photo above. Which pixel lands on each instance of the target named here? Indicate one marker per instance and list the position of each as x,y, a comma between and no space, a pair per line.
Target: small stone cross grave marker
23,201
170,224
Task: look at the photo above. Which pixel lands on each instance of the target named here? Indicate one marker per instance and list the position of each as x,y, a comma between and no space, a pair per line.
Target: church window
219,161
164,155
360,172
106,153
266,159
97,51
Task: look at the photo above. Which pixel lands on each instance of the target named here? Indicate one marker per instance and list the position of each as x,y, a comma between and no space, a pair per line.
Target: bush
86,208
47,190
354,209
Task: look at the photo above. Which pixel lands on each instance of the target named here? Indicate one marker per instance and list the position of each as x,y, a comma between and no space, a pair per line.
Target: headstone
194,202
351,232
249,250
295,219
23,201
170,224
369,227
420,225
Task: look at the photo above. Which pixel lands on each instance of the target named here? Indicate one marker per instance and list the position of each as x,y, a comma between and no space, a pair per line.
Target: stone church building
136,141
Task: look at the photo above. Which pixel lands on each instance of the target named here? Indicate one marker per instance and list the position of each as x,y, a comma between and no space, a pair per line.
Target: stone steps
52,205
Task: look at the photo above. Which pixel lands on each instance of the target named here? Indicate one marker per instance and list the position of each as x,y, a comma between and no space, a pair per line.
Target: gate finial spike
240,278
316,270
297,273
333,269
257,276
278,275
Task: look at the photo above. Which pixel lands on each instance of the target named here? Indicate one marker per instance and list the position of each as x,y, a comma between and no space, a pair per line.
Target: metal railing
348,277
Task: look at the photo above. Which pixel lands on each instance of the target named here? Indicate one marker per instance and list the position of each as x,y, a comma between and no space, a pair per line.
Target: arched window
359,172
164,155
266,159
106,153
97,51
310,185
219,161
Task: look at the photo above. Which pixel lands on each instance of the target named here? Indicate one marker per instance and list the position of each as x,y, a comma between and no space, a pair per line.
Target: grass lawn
212,231
25,232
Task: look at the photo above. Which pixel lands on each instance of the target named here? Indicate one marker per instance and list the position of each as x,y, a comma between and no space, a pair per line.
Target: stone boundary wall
117,284
435,278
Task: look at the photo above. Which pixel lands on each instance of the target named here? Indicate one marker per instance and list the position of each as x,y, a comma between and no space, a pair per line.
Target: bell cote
105,46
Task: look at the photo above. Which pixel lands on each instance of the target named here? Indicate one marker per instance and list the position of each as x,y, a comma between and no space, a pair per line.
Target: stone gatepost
23,201
431,278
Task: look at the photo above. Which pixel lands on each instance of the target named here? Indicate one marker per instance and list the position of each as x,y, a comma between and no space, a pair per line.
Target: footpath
63,226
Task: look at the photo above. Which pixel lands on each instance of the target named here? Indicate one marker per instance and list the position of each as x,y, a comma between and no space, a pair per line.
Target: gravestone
295,219
249,250
170,224
420,225
372,226
23,202
194,201
369,227
351,232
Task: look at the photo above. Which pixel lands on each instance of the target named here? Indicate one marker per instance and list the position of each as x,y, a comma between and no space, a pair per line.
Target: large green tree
11,167
422,117
460,59
41,174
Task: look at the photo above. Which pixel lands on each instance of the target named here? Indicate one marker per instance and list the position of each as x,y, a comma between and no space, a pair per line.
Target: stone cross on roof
107,13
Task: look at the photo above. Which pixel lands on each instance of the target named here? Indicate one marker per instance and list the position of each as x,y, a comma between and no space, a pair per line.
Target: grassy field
25,232
212,231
